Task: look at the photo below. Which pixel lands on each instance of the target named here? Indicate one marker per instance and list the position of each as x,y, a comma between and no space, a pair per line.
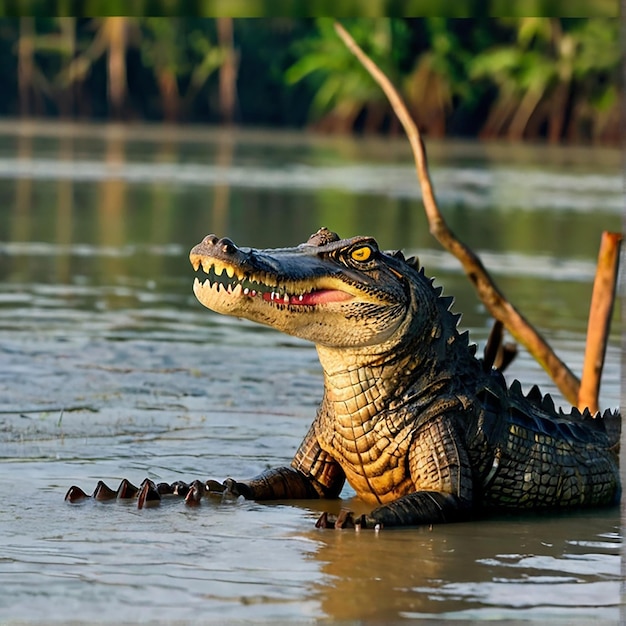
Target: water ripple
471,186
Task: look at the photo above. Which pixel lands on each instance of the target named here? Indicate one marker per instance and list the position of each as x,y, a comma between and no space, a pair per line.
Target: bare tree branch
490,295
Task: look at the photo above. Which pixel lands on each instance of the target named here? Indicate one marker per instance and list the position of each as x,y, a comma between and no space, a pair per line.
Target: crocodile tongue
321,296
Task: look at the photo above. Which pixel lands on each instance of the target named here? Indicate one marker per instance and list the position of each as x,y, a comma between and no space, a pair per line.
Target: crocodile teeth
214,288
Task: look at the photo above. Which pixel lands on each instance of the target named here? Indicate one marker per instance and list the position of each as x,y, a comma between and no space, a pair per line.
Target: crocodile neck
358,386
373,403
360,383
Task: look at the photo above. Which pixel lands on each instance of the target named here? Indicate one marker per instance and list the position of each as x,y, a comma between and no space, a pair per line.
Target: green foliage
311,8
184,51
438,80
161,44
343,87
209,56
517,77
551,66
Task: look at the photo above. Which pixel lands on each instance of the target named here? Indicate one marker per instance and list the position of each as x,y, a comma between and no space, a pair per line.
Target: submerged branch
490,295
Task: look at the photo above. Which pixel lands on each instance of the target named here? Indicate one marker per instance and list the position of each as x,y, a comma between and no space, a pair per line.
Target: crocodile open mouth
218,278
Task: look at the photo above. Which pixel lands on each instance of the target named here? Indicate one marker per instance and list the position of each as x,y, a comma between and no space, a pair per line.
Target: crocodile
422,429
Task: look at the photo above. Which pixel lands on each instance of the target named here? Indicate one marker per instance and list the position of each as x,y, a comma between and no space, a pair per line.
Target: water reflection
120,208
109,368
484,570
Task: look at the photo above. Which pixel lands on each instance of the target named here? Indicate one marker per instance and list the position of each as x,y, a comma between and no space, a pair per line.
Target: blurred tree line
518,78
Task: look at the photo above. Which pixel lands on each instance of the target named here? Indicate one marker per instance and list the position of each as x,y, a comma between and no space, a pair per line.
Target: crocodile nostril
210,240
228,247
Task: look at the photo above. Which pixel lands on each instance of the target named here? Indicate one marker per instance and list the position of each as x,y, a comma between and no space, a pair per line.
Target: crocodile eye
361,254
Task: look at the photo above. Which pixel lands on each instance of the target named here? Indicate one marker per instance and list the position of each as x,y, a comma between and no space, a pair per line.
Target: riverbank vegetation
553,79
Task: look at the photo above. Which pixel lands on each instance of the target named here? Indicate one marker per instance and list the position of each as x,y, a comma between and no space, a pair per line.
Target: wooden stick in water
600,311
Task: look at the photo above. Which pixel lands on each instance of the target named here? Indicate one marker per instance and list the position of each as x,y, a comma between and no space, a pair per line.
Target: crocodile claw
230,489
103,492
326,520
148,494
346,519
126,490
75,494
214,488
165,489
195,493
179,488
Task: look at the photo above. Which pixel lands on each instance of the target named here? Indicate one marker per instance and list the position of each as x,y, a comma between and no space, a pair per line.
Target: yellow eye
361,254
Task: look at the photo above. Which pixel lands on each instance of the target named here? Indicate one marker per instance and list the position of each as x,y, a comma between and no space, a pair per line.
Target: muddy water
109,368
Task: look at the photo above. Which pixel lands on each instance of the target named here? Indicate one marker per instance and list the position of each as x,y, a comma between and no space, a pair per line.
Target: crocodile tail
613,424
609,422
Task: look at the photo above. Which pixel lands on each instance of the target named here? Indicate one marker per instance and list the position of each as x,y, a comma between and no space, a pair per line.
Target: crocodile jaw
299,297
243,301
293,307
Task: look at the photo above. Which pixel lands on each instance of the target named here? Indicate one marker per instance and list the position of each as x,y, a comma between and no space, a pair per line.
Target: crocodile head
339,293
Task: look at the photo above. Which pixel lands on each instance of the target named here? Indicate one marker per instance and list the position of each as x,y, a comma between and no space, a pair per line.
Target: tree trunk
116,30
26,64
228,70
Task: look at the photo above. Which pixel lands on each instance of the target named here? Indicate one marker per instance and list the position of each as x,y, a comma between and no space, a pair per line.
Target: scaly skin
420,428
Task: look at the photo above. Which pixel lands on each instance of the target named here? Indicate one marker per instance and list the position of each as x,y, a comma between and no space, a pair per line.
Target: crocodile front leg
313,474
442,479
414,509
279,483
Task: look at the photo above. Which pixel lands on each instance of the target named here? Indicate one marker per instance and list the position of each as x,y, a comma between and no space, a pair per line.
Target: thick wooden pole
600,311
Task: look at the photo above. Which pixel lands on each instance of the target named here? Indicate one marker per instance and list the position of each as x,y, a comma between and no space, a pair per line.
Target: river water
109,368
